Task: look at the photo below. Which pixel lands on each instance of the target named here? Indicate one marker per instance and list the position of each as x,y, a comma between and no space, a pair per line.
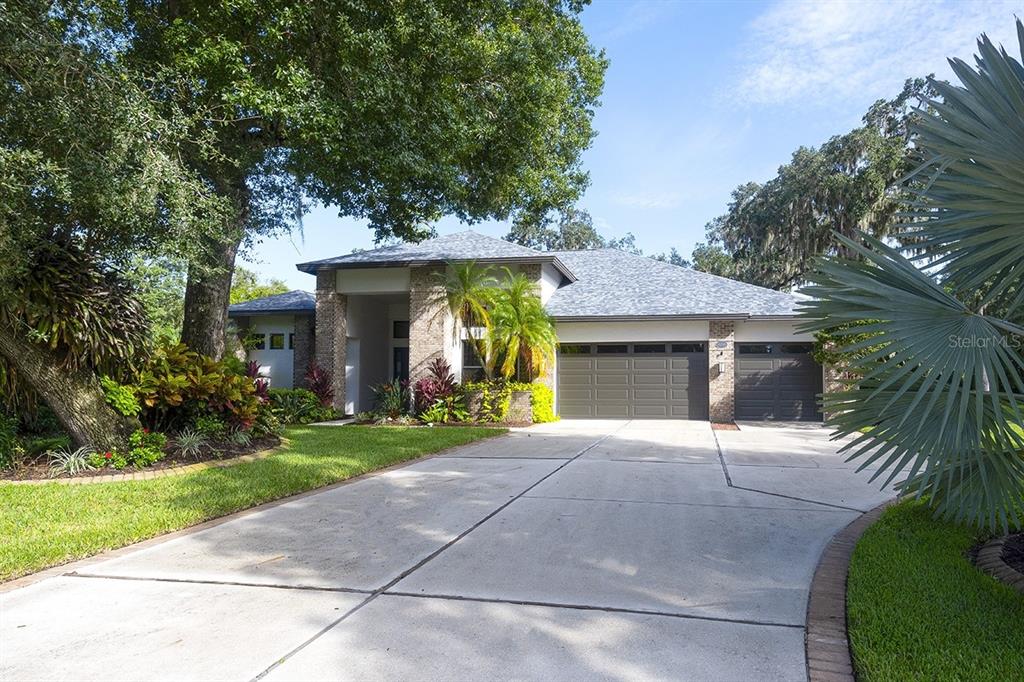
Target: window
574,349
612,348
687,347
472,367
400,329
291,342
648,348
277,342
755,349
257,341
797,347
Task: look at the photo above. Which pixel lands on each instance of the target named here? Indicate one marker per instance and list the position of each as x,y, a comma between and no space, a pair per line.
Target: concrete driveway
577,550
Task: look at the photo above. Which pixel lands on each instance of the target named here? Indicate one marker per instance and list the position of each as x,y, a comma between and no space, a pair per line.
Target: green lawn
44,525
919,610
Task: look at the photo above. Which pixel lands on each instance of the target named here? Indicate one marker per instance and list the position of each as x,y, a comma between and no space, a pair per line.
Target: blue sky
702,96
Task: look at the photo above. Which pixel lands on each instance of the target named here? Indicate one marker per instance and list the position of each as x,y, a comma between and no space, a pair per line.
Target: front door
400,363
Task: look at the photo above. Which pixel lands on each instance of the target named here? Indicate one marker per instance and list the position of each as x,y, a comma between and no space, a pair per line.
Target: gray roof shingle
612,283
296,301
460,246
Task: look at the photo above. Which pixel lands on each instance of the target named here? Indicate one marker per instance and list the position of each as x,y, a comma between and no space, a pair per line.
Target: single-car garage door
777,381
645,380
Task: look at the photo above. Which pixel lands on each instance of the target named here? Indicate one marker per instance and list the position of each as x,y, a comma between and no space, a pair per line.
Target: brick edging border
990,561
826,643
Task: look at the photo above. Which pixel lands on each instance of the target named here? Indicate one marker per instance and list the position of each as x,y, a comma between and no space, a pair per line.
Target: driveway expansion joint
594,607
687,504
229,583
381,590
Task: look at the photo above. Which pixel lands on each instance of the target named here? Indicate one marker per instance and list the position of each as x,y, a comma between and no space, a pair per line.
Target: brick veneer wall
722,385
429,319
305,349
330,335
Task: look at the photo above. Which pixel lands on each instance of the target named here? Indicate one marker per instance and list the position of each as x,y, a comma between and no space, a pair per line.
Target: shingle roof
612,283
296,301
460,246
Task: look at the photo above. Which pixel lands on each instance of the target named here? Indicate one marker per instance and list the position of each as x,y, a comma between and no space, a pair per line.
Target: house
638,337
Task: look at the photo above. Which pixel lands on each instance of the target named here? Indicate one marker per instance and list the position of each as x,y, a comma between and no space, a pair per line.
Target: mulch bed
1013,552
724,426
39,469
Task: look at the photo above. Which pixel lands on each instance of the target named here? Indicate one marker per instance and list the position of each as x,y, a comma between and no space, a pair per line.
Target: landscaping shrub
121,398
438,385
391,400
299,406
542,401
495,398
211,426
319,381
9,441
147,448
179,386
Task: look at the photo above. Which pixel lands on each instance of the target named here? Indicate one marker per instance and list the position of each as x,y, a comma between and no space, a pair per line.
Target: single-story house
638,337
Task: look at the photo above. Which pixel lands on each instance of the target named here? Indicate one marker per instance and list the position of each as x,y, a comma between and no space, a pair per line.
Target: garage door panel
646,363
606,394
655,411
651,394
777,386
611,410
643,385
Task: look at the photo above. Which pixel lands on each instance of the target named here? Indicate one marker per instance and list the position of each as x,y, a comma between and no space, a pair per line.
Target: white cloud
824,52
648,199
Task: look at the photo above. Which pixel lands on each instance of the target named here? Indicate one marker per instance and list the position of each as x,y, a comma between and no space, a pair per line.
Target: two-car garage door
646,380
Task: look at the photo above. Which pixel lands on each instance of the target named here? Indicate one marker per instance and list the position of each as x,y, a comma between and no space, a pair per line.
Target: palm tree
522,328
470,292
939,397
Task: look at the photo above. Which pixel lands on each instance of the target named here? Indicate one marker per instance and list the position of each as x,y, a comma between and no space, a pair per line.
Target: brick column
331,311
430,321
722,384
303,353
832,381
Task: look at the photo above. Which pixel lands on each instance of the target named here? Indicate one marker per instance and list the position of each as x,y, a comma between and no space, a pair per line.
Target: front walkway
582,549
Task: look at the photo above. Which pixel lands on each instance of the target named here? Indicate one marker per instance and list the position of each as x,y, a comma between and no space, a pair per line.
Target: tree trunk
74,396
207,294
208,289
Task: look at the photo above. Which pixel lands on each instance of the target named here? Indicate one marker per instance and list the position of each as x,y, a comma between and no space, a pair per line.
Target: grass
919,610
45,525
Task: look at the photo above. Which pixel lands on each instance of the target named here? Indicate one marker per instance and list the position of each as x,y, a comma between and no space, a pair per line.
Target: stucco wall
760,331
659,330
373,280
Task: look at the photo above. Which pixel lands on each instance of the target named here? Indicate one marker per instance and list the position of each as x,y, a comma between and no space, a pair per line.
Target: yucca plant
70,462
937,402
190,443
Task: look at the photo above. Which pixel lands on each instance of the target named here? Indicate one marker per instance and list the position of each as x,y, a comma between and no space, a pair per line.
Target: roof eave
313,267
273,311
640,318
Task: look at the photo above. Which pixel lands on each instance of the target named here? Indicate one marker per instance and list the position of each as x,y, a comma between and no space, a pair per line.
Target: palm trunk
74,396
